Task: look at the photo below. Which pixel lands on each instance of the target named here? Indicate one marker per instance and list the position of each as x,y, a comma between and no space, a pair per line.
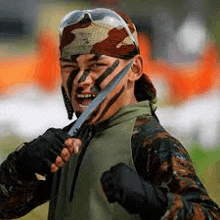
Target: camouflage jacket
158,158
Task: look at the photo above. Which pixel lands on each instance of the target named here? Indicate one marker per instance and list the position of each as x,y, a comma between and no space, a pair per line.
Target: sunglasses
99,14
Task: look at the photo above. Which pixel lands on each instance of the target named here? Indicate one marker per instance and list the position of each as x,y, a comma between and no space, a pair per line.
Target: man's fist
123,185
71,146
48,152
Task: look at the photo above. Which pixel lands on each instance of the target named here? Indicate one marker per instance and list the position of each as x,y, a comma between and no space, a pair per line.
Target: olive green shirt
107,148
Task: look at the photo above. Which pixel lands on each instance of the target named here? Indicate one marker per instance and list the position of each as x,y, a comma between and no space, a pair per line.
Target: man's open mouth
85,99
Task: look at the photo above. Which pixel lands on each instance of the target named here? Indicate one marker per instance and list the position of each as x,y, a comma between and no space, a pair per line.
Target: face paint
96,89
71,77
111,103
84,75
87,71
95,113
107,72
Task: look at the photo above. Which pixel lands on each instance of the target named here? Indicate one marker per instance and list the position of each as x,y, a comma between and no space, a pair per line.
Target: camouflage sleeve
162,160
20,192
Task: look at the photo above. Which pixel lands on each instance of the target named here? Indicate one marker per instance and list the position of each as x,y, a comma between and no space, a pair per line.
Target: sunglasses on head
100,14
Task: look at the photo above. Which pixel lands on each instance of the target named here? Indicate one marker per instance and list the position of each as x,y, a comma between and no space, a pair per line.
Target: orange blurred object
41,69
48,68
184,81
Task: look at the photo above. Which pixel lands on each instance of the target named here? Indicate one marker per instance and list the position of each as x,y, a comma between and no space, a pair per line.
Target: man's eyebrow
96,57
66,60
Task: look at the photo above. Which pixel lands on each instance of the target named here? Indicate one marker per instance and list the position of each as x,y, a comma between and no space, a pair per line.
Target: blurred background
179,40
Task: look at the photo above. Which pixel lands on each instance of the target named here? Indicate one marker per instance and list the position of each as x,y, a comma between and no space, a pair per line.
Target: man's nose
87,77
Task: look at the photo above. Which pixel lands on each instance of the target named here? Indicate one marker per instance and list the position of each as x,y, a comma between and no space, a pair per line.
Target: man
121,164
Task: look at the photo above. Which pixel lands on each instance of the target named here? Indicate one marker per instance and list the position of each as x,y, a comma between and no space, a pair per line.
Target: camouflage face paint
95,113
107,72
84,75
72,76
96,89
110,103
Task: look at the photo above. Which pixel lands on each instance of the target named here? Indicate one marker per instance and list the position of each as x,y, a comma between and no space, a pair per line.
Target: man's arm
20,189
20,192
164,162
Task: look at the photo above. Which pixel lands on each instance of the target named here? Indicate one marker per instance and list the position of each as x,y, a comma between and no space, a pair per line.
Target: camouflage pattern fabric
100,37
20,192
162,160
158,158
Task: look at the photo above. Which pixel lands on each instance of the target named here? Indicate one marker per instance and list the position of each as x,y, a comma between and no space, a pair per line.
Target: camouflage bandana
97,31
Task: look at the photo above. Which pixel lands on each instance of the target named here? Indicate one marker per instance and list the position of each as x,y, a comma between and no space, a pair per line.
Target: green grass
207,164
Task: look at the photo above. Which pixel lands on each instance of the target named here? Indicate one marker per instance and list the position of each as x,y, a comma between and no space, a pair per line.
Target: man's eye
95,66
67,66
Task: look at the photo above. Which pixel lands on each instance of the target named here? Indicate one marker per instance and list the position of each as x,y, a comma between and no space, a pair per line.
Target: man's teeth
85,96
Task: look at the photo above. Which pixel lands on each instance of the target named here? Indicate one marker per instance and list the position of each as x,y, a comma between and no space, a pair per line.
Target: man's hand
123,185
72,146
48,152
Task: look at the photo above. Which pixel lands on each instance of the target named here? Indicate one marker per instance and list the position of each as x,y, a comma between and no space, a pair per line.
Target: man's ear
137,69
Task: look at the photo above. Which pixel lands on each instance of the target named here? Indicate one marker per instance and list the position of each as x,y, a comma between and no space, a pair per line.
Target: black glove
123,185
38,155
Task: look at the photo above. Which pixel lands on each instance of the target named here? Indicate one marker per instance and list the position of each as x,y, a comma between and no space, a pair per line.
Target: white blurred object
197,119
31,112
191,36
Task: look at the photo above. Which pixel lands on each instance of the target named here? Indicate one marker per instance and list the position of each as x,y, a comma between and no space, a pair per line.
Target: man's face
84,76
